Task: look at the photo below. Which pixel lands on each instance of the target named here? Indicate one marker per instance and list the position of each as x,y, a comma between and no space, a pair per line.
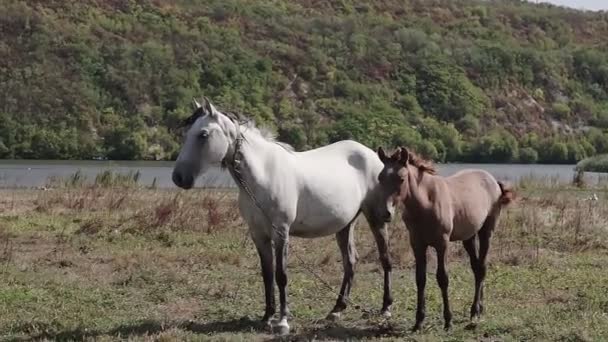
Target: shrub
293,135
597,163
560,110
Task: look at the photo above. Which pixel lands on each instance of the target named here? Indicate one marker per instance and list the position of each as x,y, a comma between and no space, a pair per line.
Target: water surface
38,173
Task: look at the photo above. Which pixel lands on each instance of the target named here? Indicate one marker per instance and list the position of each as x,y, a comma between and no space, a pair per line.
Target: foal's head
394,177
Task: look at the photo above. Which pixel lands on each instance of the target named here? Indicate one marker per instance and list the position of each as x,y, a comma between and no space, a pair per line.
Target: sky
594,5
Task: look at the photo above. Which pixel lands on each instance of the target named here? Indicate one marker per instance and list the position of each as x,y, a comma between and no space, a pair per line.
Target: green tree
444,90
122,144
557,153
528,155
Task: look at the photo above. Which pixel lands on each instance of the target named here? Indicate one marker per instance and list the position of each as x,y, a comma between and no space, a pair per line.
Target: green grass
167,265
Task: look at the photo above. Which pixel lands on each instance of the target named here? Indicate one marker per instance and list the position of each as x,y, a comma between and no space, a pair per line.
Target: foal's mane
424,165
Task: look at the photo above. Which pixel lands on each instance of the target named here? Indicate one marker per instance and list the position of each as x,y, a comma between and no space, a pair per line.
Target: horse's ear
196,104
404,155
382,154
209,108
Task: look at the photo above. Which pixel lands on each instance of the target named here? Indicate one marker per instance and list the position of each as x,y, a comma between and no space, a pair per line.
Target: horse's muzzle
184,182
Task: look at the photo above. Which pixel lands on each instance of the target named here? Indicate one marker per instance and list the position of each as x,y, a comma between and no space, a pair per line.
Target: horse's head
208,138
393,178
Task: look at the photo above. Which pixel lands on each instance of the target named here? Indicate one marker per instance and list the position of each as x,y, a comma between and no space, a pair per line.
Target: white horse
306,194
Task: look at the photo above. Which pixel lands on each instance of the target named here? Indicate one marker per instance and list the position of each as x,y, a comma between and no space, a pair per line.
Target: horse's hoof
333,316
281,331
267,325
447,326
471,326
386,314
365,315
416,327
282,328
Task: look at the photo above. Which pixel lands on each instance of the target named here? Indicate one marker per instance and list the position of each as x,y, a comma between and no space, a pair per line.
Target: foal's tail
507,195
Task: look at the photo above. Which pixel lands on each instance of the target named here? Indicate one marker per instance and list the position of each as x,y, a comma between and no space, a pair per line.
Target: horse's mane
424,165
244,122
264,132
189,121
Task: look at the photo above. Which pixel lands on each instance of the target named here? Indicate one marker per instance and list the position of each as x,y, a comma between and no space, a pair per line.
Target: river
38,173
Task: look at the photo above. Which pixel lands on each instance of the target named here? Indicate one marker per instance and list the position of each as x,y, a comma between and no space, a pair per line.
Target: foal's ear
404,155
382,154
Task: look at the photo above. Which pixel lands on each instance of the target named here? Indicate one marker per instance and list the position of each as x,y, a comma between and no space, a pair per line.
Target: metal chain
235,170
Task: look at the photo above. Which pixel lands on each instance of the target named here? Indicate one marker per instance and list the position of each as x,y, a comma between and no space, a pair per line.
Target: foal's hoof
386,314
417,327
447,326
333,316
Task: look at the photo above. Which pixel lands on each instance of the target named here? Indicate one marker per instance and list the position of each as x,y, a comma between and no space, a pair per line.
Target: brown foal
463,207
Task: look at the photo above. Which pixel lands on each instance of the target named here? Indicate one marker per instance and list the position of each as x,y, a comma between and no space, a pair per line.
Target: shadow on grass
147,327
338,332
242,325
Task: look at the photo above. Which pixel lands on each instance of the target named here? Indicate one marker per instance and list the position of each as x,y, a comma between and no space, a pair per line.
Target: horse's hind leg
281,243
381,237
346,242
443,281
471,248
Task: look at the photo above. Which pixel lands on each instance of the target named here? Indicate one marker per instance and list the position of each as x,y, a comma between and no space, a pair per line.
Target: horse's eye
203,135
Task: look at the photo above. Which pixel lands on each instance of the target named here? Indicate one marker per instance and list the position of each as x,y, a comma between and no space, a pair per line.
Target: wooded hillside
459,80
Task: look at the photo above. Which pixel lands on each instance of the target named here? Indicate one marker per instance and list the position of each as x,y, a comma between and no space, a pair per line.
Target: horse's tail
507,195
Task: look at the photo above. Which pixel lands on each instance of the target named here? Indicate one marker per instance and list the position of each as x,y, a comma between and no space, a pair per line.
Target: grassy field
109,263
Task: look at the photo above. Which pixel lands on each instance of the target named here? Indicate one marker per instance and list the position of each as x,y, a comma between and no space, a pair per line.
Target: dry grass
103,262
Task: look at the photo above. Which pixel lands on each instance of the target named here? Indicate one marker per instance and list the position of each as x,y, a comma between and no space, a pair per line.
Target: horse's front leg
385,259
264,246
346,243
281,244
381,237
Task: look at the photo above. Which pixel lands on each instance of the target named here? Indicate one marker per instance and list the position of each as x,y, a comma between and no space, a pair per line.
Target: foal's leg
346,242
264,246
484,245
381,236
280,249
419,249
444,281
471,248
